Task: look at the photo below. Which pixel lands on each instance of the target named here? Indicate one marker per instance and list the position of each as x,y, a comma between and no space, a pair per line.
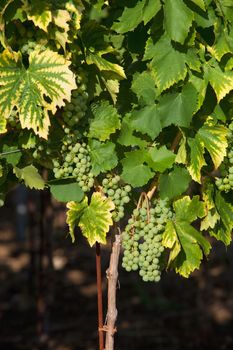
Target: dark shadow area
174,314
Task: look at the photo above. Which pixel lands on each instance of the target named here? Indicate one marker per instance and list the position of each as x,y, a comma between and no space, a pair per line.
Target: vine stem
112,276
99,296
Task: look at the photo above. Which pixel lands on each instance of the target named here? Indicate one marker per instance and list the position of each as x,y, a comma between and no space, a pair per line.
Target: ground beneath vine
174,314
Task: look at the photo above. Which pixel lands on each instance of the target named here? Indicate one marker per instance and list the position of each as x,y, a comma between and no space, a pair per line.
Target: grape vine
98,100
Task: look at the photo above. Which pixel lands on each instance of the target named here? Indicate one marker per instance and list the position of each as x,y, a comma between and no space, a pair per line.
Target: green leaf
174,183
151,8
47,77
197,159
103,156
30,176
200,3
200,86
221,82
147,121
112,85
225,210
104,65
161,159
94,219
39,13
181,156
134,171
126,137
214,138
130,18
192,242
11,154
171,241
64,191
178,108
189,209
74,213
223,44
168,64
178,19
106,121
187,245
143,86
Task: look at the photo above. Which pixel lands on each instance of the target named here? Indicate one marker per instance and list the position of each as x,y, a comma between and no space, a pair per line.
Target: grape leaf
151,8
30,176
174,183
223,44
178,108
181,156
64,191
213,137
104,65
103,156
126,137
200,86
106,121
178,19
212,216
94,219
221,82
187,245
130,18
161,158
135,172
38,12
48,75
223,231
143,86
147,121
197,159
11,154
168,64
200,3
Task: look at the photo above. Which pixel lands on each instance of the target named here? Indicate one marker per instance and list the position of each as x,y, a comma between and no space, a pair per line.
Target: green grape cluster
75,110
225,182
75,162
119,193
142,240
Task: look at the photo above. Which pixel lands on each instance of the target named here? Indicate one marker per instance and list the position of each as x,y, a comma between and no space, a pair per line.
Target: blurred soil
175,314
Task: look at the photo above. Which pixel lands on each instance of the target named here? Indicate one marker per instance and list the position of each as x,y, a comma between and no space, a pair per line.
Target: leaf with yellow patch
94,219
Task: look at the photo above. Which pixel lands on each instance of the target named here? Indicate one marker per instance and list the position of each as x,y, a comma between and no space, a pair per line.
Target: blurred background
48,295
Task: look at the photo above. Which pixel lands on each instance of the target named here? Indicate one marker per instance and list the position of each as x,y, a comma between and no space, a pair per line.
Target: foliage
147,87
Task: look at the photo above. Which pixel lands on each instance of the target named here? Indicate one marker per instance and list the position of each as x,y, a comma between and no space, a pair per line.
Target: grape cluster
75,110
142,240
119,194
225,183
75,162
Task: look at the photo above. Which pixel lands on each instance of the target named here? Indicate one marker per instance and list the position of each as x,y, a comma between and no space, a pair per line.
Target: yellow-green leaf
94,219
28,90
221,82
104,65
30,176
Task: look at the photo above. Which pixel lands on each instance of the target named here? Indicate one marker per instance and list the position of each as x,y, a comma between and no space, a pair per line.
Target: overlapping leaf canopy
160,87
